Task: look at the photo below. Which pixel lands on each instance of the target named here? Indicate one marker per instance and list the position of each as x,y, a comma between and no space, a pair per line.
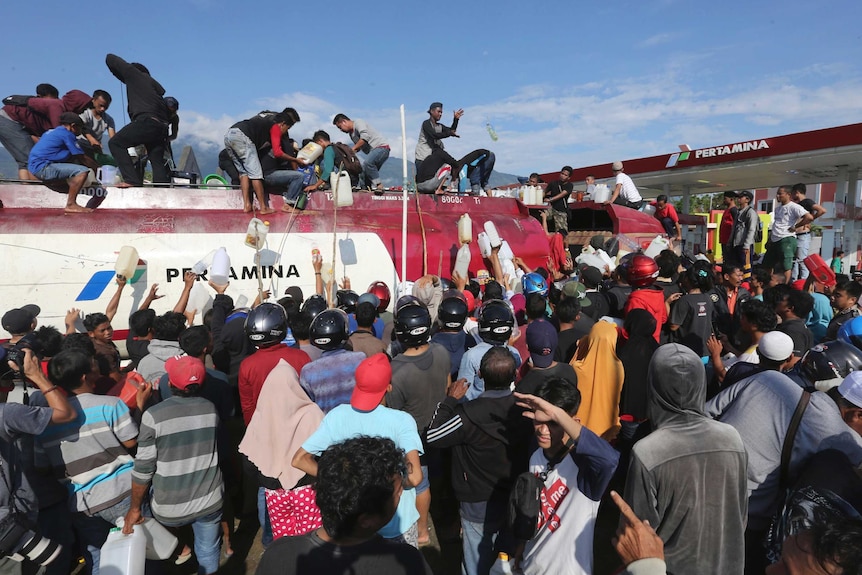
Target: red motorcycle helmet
381,290
641,271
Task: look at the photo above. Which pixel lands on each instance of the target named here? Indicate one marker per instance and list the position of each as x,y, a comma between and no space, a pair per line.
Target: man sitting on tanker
440,166
57,156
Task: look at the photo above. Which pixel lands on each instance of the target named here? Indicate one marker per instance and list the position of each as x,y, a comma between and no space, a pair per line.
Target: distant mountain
208,162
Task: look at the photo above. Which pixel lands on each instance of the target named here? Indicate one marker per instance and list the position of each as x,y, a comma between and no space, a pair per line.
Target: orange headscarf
600,380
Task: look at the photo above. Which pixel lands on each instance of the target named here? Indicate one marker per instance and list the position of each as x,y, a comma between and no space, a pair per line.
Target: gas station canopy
806,157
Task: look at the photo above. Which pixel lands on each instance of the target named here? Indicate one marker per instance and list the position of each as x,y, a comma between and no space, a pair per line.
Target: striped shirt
88,454
329,381
177,452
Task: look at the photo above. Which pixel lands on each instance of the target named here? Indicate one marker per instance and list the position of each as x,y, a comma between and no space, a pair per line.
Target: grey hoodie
152,366
688,478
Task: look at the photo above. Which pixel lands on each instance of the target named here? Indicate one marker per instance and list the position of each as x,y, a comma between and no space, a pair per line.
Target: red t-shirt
725,228
254,370
652,300
668,211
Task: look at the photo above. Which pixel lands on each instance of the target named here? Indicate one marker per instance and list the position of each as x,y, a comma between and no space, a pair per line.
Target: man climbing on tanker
150,120
368,141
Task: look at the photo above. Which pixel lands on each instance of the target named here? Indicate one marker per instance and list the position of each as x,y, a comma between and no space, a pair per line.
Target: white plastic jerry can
124,554
342,190
462,260
255,236
127,262
220,268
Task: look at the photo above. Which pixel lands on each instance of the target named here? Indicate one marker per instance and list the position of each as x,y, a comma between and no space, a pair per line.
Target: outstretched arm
111,310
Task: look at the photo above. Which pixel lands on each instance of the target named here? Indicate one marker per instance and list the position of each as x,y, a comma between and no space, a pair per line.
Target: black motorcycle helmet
266,325
329,329
452,311
347,300
412,325
314,305
827,364
496,321
406,300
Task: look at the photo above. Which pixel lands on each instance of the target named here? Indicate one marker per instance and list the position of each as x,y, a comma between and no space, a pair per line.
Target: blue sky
576,82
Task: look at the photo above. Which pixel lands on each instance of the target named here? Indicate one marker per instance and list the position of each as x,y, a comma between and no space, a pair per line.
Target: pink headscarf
283,419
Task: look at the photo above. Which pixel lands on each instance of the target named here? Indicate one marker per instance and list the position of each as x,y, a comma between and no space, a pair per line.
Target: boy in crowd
845,299
576,466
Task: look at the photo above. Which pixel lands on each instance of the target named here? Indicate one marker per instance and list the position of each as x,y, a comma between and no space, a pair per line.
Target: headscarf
635,354
600,379
677,382
283,419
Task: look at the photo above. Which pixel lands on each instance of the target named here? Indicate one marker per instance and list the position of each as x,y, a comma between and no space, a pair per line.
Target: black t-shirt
257,129
598,305
807,203
799,333
693,313
555,188
311,555
617,296
530,382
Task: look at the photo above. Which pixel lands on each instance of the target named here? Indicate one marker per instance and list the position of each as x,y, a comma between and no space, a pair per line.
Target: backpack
525,498
17,100
758,234
525,505
344,155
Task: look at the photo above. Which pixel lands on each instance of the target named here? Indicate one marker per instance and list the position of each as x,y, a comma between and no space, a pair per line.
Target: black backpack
525,498
346,157
17,100
758,234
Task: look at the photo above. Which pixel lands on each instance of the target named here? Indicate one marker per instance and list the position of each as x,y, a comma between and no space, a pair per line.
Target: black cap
435,105
747,194
71,118
17,321
731,194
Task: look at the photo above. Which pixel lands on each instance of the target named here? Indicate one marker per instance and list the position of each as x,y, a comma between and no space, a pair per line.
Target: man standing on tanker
150,119
433,131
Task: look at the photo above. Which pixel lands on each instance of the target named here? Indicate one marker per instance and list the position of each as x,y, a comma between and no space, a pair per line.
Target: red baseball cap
373,377
184,370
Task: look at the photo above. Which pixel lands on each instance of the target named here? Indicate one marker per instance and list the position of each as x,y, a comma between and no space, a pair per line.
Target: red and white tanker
63,261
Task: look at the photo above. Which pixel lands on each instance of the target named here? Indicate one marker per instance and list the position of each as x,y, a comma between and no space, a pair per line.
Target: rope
424,238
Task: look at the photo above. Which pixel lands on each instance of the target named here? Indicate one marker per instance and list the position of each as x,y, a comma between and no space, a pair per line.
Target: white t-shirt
564,542
629,191
783,217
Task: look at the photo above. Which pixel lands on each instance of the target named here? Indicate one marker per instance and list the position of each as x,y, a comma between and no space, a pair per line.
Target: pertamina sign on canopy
715,152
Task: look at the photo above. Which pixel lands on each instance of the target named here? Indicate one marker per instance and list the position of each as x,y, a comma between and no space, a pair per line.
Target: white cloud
655,40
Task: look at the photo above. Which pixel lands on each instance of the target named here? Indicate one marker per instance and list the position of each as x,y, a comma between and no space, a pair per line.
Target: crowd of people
59,141
510,415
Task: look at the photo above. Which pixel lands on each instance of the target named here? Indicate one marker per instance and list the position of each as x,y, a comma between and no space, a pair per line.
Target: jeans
371,167
60,171
207,530
243,153
16,140
481,172
290,179
669,227
149,133
263,518
803,245
478,540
